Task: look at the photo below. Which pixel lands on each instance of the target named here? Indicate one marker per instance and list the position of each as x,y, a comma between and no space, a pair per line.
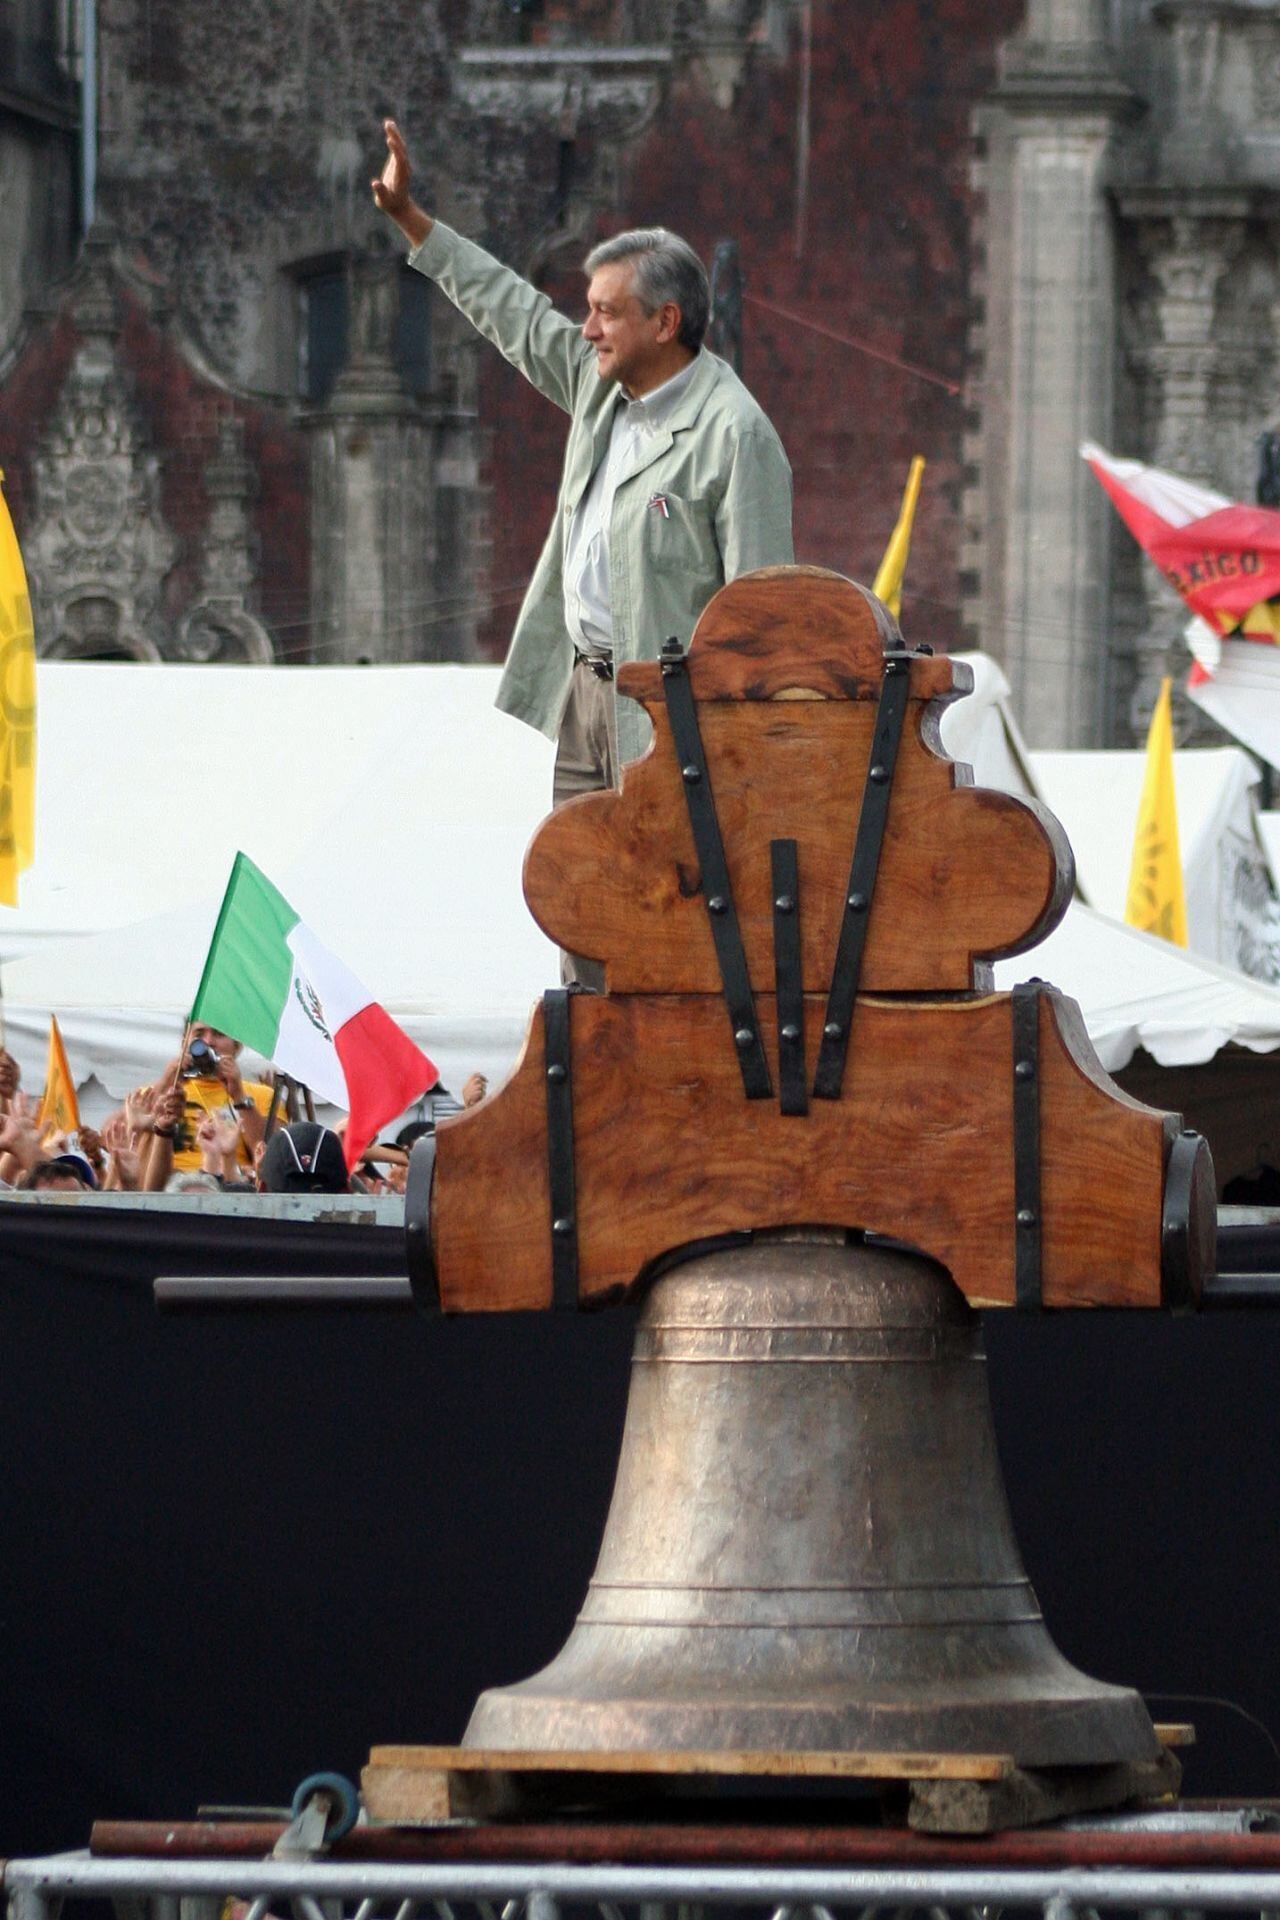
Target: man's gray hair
667,268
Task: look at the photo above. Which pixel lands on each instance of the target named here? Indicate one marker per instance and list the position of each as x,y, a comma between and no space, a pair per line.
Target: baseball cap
77,1163
303,1157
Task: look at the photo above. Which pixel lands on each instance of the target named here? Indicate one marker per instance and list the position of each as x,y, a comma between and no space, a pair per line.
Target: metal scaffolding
325,1888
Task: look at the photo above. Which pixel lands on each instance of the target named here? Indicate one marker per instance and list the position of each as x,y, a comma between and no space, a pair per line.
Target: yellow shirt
209,1096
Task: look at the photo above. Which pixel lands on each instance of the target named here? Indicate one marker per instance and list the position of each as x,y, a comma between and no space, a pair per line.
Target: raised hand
217,1140
19,1134
128,1165
139,1109
391,189
228,1071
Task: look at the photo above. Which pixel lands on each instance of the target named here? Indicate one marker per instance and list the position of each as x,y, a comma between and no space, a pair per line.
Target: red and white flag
1221,556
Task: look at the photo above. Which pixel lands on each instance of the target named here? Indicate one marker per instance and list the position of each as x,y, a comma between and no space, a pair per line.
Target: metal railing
324,1889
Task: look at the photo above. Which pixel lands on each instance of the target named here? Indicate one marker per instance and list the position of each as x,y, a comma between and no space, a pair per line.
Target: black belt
600,664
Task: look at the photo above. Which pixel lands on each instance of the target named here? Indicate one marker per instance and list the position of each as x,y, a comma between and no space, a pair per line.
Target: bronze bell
809,1545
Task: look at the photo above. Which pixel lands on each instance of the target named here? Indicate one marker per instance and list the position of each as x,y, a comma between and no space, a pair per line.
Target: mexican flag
269,983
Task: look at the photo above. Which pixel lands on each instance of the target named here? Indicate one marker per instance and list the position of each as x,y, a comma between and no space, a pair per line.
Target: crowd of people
201,1127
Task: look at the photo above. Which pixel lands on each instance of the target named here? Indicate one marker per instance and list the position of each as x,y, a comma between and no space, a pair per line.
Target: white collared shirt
588,609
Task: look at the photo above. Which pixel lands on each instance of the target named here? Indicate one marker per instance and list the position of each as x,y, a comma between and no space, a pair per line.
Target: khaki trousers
586,762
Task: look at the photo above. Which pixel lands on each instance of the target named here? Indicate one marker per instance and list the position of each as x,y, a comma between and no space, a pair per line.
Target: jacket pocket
679,537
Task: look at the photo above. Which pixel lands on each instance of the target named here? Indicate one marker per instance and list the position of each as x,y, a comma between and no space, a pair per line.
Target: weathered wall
874,249
977,230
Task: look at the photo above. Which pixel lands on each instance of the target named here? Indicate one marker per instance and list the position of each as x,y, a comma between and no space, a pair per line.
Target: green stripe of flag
246,976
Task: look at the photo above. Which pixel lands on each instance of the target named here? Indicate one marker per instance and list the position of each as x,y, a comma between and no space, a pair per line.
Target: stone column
1189,242
372,525
221,626
1036,532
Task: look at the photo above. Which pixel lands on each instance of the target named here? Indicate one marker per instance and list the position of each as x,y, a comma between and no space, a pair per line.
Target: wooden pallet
946,1792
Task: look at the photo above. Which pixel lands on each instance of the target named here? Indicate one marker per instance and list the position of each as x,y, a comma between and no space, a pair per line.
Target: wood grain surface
786,668
920,1147
793,628
964,873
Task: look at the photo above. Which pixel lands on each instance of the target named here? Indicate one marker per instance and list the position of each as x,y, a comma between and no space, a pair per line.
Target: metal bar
281,1290
27,1904
788,966
78,1874
1257,1292
561,1176
1026,1144
860,893
735,979
1245,1837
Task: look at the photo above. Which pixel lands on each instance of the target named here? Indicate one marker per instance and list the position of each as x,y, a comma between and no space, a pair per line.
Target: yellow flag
1156,902
17,714
58,1106
888,581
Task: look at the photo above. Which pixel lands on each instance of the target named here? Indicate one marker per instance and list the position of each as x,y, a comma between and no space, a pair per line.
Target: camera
202,1062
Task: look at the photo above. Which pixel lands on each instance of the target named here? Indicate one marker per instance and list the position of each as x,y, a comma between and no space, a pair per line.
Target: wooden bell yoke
796,897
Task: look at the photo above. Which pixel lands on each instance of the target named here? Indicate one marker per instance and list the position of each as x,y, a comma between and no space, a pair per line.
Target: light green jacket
717,462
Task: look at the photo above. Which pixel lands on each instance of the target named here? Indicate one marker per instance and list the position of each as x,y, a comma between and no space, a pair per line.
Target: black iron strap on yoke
1026,1144
854,921
682,713
560,1164
424,1282
788,975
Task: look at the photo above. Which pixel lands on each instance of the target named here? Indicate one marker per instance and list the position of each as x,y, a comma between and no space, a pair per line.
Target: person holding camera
203,1082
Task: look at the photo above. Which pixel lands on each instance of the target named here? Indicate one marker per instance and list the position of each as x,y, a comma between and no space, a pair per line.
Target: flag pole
5,1102
893,567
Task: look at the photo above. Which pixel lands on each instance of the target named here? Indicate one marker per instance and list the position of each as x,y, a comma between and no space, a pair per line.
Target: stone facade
984,232
1128,292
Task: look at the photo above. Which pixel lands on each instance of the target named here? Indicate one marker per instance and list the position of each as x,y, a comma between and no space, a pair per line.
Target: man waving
674,481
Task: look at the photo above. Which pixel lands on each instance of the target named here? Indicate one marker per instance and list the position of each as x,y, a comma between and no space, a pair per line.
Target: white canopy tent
1224,868
392,807
1231,910
1243,696
1137,991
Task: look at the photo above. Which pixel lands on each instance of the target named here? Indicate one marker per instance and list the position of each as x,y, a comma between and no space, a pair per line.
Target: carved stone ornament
615,87
220,625
99,550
